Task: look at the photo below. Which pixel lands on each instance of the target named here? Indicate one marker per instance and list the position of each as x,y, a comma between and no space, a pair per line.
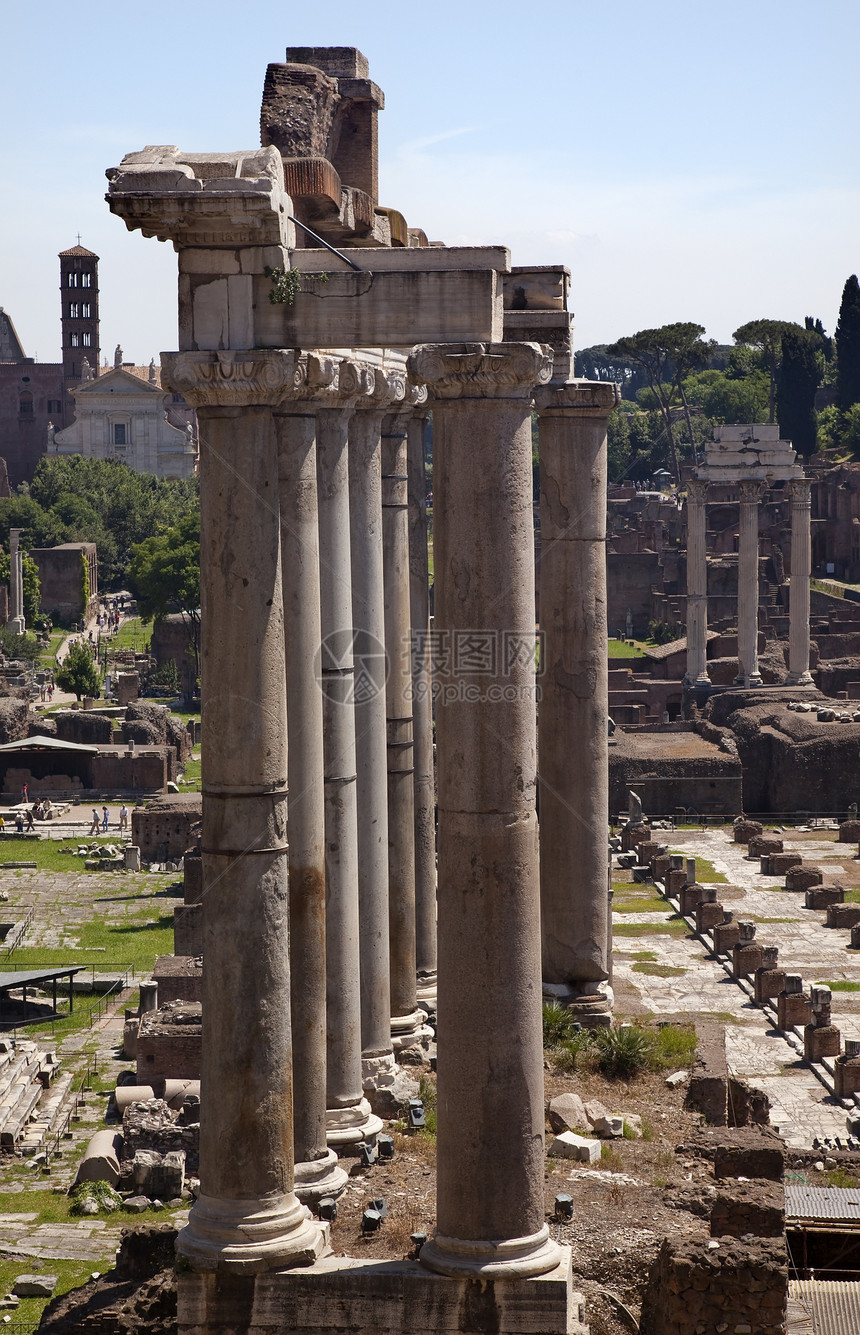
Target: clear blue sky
687,161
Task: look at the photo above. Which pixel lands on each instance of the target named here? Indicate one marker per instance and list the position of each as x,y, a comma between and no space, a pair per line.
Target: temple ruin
317,329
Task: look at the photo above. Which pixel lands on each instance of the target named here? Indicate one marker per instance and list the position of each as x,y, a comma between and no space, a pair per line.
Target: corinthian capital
480,370
749,492
231,379
578,398
697,491
801,488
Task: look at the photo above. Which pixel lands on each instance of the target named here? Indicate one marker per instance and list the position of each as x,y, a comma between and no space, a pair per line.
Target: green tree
727,398
165,576
665,356
79,672
766,337
838,430
848,346
800,372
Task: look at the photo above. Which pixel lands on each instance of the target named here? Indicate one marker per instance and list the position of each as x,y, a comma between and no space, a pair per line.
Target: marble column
573,732
424,786
748,673
349,1119
368,613
490,1139
801,568
317,1173
247,1215
697,585
16,592
407,1017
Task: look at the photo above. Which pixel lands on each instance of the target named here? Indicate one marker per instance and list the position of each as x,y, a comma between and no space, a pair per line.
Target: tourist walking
123,818
94,827
105,819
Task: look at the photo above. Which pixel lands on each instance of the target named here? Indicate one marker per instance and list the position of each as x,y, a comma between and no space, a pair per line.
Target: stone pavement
802,1105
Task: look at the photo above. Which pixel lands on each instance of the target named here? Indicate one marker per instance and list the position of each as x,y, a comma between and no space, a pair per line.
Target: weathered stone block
744,830
188,930
768,983
660,865
746,958
802,878
793,1009
739,1287
726,937
169,1043
571,1146
674,881
741,1208
842,915
849,832
846,1076
708,915
821,1041
566,1113
633,835
777,864
707,1090
690,898
762,844
750,1151
822,896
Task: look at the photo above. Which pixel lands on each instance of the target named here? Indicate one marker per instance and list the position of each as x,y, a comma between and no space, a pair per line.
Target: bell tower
79,317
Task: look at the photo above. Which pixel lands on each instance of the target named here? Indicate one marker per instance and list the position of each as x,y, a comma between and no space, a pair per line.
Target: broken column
793,1009
490,1085
407,1017
17,625
368,612
769,980
801,568
821,1038
697,585
573,741
317,1174
349,1119
747,953
424,786
247,1213
748,673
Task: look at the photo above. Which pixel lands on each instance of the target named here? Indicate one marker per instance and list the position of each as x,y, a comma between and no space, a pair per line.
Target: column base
754,679
696,683
514,1258
590,1004
378,1071
349,1126
338,1293
17,625
799,679
251,1236
407,1030
426,995
318,1178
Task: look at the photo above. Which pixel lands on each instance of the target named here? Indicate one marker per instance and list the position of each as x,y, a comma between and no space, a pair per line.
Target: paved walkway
802,1105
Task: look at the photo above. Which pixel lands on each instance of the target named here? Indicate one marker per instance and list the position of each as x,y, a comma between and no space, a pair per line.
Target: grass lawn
658,970
48,854
70,1275
706,873
677,927
132,634
840,985
625,649
49,656
135,941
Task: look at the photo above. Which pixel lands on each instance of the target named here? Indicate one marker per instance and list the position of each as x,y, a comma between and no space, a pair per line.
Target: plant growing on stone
287,284
87,1194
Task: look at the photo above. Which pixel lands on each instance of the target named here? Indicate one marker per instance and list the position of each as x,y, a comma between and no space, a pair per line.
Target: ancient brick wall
169,1043
165,827
701,1284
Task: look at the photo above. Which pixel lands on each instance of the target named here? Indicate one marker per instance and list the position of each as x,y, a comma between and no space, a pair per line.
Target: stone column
349,1119
697,585
748,673
368,614
490,1194
247,1215
424,787
317,1173
407,1017
16,592
801,568
573,737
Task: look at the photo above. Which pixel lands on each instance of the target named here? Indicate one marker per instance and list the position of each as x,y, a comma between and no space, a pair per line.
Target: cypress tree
848,346
798,378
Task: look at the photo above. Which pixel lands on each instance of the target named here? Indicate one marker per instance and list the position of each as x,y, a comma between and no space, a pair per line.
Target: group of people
99,824
46,690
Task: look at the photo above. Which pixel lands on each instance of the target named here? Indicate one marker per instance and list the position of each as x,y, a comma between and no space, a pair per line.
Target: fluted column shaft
247,1213
16,592
573,735
406,1016
801,569
365,515
424,787
697,584
748,673
490,1219
316,1171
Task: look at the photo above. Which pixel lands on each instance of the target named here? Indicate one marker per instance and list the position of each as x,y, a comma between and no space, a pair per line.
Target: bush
557,1024
100,1193
623,1053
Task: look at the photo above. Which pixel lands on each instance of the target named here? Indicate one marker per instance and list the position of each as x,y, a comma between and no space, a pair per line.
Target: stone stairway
26,1073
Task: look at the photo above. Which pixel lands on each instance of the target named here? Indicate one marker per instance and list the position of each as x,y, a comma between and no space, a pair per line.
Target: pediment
118,382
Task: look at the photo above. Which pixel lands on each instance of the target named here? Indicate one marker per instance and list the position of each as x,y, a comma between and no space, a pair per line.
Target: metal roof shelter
823,1307
24,978
811,1206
